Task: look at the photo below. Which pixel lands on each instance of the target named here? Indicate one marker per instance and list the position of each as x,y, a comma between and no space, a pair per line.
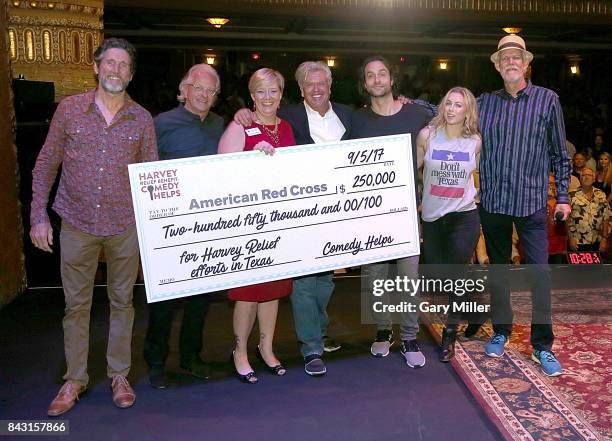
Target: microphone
559,216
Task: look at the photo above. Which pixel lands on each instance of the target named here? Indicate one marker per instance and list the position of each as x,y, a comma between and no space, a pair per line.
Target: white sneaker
382,344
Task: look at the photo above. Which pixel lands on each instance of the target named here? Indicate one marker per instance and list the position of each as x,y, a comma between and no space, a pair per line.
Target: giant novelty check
215,222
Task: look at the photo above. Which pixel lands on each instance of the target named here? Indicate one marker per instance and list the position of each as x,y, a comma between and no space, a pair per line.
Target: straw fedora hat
511,41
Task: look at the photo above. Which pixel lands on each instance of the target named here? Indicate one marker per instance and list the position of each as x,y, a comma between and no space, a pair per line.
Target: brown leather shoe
66,398
123,394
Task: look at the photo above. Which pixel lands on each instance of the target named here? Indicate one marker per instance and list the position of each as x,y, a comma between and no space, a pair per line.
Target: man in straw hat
523,139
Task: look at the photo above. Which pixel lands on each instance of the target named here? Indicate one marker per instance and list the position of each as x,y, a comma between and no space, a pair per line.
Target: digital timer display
584,258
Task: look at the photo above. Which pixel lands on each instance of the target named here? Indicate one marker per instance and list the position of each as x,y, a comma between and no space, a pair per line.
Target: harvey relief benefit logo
159,184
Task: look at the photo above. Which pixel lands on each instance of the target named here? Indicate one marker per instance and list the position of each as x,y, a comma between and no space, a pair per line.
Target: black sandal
277,370
248,378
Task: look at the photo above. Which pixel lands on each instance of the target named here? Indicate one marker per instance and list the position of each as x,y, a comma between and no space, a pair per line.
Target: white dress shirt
326,128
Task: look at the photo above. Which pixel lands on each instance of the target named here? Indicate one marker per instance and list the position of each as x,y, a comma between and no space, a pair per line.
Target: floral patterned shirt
94,189
588,217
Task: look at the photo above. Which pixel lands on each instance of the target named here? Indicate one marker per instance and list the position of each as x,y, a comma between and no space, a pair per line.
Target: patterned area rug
524,403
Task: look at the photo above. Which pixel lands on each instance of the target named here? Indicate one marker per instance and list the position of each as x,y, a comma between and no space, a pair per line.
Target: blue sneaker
550,364
495,347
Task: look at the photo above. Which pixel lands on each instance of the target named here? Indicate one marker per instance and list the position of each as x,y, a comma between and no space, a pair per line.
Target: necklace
272,133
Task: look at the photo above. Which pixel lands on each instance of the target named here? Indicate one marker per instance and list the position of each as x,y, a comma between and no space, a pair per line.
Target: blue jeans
497,229
309,300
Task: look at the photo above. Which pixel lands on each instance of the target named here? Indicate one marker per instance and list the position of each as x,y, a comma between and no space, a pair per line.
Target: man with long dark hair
387,115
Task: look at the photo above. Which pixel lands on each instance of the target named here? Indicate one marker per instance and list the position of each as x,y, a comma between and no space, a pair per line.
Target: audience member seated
591,161
578,164
598,146
588,219
603,174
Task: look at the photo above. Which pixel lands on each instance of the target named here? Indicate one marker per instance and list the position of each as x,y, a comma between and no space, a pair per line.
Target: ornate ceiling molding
59,22
74,8
569,7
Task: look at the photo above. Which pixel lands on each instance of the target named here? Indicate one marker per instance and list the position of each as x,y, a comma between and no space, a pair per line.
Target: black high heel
249,378
447,348
277,370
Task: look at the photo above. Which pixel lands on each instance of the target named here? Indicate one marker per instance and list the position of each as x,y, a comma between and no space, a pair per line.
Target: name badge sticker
253,131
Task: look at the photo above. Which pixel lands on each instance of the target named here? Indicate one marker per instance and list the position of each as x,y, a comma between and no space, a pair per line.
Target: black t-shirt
181,134
410,119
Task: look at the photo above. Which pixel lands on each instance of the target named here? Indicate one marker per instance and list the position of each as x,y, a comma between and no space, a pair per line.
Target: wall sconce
331,61
574,64
512,30
402,59
210,59
217,22
443,64
255,56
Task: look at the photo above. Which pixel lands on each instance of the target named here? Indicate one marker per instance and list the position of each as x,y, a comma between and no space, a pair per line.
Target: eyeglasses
200,89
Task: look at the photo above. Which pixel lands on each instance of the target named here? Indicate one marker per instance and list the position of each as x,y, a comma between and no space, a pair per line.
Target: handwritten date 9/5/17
365,156
368,156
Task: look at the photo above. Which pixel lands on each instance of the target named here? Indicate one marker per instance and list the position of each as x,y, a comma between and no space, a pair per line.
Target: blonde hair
308,67
187,79
266,75
470,125
608,176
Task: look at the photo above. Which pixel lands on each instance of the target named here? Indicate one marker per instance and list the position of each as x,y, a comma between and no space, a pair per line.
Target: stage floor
360,398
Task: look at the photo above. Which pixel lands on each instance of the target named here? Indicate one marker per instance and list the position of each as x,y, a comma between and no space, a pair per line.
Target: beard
113,86
513,76
378,92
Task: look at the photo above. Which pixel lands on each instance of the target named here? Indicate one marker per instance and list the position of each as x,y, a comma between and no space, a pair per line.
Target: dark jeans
497,229
448,245
309,301
161,315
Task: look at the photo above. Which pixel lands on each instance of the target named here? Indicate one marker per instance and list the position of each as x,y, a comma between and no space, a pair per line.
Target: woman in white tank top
448,152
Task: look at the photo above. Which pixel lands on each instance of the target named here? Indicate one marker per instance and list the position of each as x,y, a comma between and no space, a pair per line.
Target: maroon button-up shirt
94,190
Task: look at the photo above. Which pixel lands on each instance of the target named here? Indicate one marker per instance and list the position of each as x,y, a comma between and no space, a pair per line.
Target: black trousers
448,245
161,315
497,229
